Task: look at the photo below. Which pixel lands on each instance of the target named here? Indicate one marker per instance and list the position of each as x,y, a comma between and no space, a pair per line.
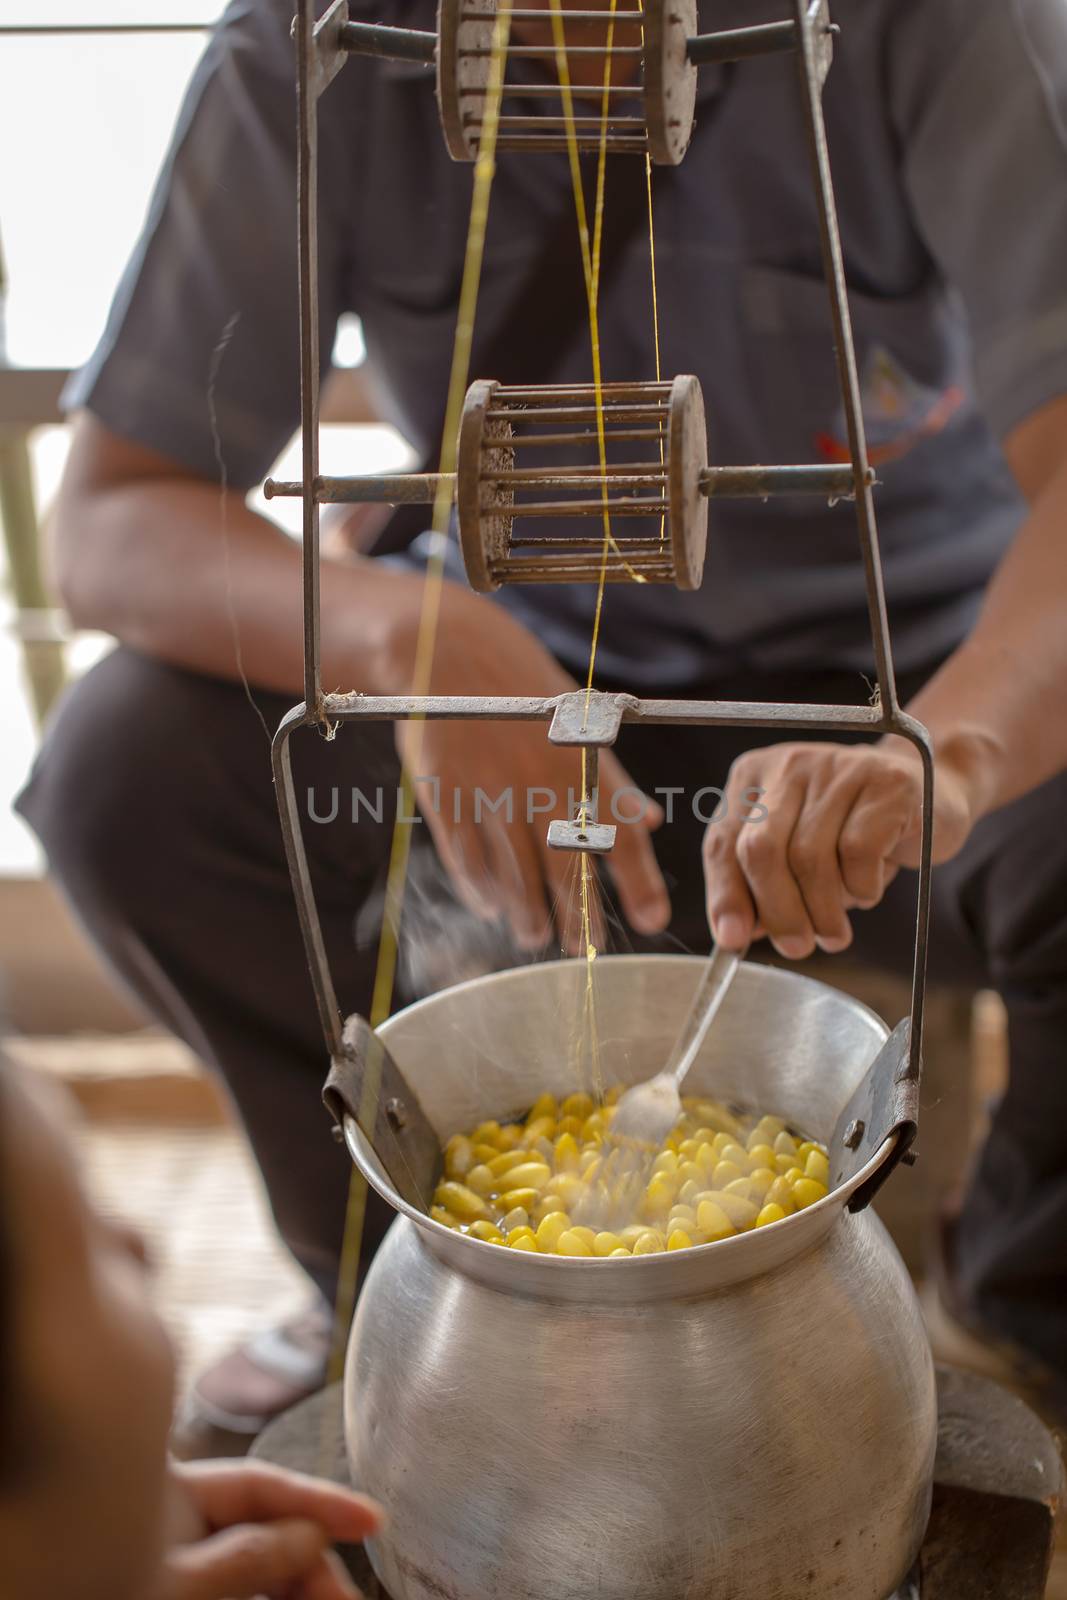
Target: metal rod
568,16
588,508
665,713
760,483
552,391
299,872
575,553
31,29
634,544
395,489
389,44
566,440
621,146
639,471
498,413
546,52
473,120
845,349
308,276
596,574
523,91
740,44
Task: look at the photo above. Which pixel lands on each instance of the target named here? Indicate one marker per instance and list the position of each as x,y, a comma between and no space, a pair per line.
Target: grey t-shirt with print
947,123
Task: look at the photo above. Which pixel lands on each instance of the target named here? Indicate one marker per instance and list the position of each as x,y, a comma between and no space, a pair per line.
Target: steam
441,942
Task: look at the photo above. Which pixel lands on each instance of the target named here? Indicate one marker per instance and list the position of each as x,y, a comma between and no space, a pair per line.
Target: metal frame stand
574,719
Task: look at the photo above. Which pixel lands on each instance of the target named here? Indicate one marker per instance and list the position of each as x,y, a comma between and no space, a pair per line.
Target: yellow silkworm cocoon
459,1156
818,1167
806,1191
737,1154
530,1175
726,1172
566,1153
505,1161
605,1244
461,1201
577,1105
760,1181
780,1193
717,1174
741,1211
540,1128
713,1220
488,1232
481,1180
550,1229
569,1187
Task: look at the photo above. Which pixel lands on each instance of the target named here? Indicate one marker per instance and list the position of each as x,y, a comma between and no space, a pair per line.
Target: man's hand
498,859
245,1529
832,827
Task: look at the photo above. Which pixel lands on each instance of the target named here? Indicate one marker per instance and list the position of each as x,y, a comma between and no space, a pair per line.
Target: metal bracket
330,56
884,1106
366,1084
589,717
817,23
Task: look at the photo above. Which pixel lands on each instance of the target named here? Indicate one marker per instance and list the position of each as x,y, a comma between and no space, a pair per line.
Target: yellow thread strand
591,268
590,263
655,304
385,972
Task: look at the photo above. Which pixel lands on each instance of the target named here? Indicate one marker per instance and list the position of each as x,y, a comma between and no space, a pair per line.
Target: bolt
910,1157
338,1133
396,1112
854,1133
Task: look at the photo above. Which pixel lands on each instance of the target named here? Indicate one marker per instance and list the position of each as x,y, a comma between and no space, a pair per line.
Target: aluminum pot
754,1418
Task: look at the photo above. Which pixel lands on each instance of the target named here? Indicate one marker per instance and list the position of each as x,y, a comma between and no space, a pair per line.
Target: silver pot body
754,1418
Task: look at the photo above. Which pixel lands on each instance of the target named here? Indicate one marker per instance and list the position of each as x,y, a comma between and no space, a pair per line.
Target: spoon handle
710,993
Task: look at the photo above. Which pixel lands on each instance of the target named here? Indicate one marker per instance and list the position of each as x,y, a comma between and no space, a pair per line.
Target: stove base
997,1484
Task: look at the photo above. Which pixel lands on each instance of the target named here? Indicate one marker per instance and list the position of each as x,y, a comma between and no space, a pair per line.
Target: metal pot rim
700,1269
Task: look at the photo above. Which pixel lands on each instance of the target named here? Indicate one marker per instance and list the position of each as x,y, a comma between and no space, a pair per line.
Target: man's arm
998,701
841,821
181,569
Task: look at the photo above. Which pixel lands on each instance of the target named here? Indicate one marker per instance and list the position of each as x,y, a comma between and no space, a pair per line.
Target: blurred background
85,119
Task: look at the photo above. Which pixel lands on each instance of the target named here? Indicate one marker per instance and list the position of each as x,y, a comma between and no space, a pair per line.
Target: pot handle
885,1106
365,1083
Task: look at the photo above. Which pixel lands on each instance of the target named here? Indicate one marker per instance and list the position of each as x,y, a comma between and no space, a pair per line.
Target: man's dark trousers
153,799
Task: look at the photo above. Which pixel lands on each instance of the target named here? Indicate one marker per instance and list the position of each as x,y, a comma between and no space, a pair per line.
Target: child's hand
243,1529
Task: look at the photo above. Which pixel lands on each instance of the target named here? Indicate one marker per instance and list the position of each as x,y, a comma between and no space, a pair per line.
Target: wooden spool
531,493
654,115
